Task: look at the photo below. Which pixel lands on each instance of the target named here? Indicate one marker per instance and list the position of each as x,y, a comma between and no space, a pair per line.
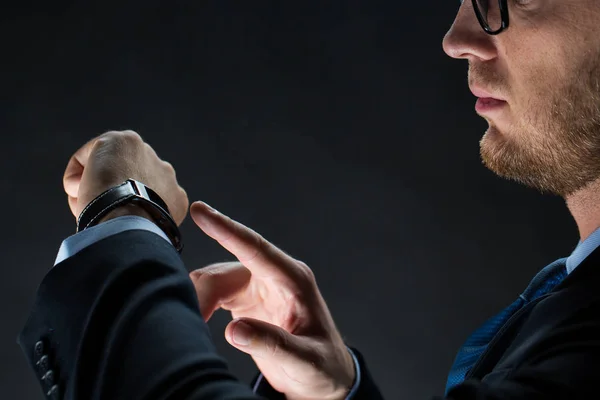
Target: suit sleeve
120,320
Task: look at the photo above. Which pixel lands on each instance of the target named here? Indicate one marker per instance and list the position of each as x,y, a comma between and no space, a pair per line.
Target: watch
131,191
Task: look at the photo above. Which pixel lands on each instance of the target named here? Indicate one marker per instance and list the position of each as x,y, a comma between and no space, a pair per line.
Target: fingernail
209,208
242,334
206,206
204,218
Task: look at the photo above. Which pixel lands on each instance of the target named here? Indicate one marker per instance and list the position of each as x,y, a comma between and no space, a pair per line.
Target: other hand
280,317
109,160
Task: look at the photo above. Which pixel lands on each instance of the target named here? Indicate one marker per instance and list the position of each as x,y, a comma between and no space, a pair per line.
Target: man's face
546,66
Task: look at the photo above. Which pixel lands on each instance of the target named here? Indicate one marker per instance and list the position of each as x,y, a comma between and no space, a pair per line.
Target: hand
109,160
281,319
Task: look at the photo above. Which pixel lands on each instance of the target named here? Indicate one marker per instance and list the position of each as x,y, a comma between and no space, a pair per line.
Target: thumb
270,342
75,167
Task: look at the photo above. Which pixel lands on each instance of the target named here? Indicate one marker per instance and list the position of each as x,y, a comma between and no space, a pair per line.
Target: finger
255,252
272,343
75,167
219,283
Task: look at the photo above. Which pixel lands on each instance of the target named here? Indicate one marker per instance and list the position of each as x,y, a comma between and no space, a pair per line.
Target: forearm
160,315
121,319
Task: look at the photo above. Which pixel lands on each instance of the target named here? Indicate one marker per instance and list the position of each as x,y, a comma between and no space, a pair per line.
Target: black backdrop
339,130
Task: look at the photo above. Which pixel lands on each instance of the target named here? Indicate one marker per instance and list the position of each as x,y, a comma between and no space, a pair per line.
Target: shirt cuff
257,383
357,380
352,391
79,241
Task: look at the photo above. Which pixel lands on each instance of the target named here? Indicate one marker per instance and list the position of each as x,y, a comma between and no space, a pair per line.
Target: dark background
339,130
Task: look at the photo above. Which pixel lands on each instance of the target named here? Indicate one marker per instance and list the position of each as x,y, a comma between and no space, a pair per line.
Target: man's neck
585,209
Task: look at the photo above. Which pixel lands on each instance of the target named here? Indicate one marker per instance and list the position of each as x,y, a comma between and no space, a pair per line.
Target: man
117,317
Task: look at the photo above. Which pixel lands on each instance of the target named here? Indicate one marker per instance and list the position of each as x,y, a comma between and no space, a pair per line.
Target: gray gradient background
339,130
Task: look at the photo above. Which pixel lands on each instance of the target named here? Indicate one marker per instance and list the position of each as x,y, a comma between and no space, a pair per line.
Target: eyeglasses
492,15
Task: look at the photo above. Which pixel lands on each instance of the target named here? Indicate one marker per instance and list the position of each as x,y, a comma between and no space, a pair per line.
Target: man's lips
487,102
484,94
487,105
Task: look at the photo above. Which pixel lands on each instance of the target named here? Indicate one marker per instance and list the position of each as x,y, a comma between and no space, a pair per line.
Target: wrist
131,198
346,377
124,210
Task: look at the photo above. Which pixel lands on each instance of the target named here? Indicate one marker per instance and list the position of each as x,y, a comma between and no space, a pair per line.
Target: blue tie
469,353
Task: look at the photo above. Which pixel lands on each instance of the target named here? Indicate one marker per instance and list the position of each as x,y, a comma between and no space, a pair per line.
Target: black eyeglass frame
503,14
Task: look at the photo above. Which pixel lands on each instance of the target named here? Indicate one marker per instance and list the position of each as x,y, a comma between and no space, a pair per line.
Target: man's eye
522,3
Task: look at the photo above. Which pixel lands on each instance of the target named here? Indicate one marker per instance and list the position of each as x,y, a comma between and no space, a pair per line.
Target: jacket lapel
537,317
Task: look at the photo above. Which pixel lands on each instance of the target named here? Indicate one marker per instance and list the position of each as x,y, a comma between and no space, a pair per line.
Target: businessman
118,317
534,66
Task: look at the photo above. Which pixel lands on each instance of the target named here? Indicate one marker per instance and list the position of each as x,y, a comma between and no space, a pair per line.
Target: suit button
48,378
53,393
43,364
39,349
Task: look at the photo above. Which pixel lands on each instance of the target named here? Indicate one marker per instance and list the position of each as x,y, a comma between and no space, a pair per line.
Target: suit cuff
79,241
352,391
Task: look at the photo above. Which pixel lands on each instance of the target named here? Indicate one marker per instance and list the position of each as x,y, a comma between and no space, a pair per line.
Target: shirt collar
583,250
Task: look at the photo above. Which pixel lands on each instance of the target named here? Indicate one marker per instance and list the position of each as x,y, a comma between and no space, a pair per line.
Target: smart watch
131,192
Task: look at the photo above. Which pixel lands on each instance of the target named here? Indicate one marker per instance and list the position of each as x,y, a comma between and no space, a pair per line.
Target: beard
554,146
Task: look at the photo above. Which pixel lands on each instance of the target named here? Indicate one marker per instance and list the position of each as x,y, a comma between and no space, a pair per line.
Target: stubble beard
554,146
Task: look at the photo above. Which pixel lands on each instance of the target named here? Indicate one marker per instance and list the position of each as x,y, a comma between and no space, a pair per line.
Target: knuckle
131,136
169,167
185,200
108,134
102,141
128,138
183,194
257,243
214,269
121,140
306,271
206,275
121,135
150,151
263,247
302,265
261,242
275,345
196,275
201,274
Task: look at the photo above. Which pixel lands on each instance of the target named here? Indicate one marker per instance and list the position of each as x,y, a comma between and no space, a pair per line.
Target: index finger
251,249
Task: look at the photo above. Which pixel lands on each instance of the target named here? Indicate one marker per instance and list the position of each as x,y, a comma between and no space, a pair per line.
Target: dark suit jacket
120,320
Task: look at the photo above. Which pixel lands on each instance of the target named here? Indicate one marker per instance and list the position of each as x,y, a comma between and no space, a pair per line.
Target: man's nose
466,39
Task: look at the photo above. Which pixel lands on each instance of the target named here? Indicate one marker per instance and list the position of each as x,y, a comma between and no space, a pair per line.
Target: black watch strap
131,191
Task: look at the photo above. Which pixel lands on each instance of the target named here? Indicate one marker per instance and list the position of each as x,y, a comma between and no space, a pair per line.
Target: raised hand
280,317
113,157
